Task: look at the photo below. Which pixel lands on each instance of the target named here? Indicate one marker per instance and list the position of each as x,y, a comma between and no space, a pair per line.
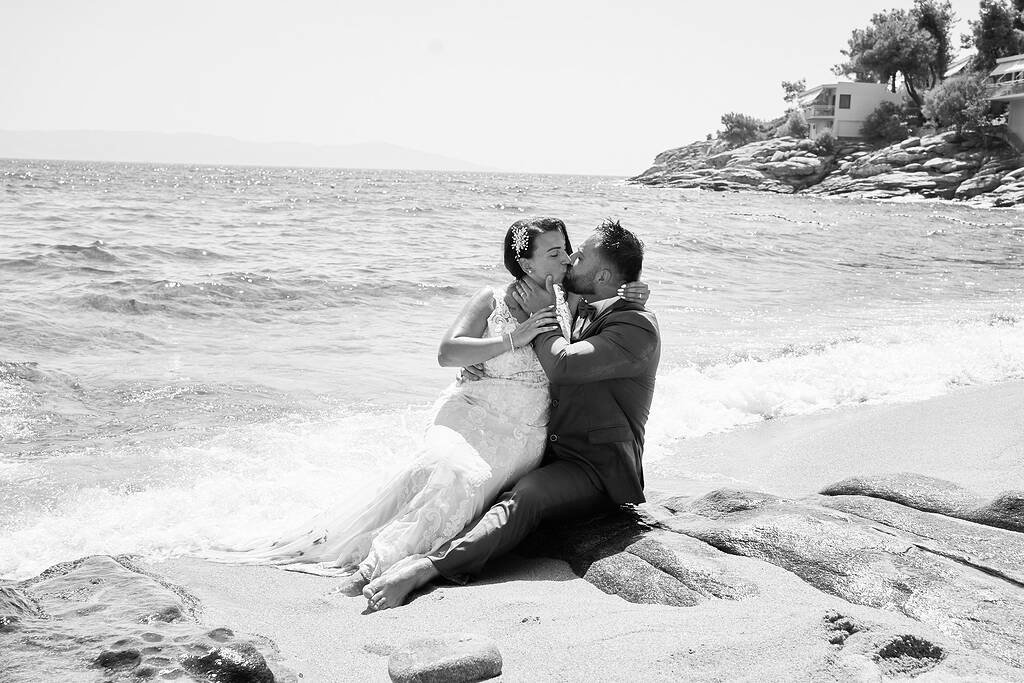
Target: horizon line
300,166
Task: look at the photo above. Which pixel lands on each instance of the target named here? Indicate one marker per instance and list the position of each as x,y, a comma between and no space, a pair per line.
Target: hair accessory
520,240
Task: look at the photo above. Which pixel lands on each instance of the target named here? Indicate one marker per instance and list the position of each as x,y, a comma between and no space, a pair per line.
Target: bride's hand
543,320
635,291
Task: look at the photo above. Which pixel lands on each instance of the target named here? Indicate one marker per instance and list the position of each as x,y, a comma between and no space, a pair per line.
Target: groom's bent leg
561,489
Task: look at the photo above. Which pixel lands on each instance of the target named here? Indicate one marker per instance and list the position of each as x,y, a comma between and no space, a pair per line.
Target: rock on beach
105,614
450,658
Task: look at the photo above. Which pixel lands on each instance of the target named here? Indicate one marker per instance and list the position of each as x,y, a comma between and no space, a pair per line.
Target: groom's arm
623,348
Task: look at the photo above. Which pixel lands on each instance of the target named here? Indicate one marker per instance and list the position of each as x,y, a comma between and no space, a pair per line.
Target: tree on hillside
937,19
997,32
912,45
792,89
740,129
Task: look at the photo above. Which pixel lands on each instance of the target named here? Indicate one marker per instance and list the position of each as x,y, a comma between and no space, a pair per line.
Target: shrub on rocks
959,102
825,142
740,129
795,125
885,124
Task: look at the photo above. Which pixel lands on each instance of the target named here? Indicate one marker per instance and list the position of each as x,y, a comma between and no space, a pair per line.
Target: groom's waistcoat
601,397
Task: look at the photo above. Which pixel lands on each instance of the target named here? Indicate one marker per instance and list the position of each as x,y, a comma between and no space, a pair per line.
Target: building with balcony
1006,84
842,107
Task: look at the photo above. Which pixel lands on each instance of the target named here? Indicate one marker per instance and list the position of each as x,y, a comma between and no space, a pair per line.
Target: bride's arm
464,344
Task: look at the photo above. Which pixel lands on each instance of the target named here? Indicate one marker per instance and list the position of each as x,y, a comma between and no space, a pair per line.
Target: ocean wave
23,387
92,252
112,304
180,499
249,293
886,365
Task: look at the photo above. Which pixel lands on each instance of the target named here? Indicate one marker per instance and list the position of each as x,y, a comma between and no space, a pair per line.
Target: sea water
190,355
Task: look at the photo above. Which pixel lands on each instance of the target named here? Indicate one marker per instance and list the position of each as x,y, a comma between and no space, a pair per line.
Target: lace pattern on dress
521,364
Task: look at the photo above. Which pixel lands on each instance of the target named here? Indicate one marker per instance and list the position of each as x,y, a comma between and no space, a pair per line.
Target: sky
535,86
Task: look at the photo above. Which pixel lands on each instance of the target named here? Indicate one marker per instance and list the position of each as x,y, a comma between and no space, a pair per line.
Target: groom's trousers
560,489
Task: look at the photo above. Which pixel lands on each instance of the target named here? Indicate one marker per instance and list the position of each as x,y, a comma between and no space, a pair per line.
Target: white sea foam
888,364
257,479
248,481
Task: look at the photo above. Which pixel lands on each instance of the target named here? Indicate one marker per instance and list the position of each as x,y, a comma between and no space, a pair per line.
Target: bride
485,434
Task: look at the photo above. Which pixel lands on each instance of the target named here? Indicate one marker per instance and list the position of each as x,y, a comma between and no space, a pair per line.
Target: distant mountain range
195,148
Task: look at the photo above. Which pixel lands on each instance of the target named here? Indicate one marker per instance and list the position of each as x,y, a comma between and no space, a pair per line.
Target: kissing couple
546,421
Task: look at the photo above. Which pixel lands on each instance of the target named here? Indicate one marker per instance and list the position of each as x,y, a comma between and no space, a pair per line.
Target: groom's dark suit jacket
601,396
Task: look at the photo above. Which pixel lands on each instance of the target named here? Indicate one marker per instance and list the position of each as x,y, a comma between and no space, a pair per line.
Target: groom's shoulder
637,314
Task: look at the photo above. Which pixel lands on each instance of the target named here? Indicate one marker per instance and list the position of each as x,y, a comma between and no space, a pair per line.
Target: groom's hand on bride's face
533,298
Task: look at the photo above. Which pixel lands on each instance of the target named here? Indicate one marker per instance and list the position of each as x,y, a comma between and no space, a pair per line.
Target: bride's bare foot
353,584
391,589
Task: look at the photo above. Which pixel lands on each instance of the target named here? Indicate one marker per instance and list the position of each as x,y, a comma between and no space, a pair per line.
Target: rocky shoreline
982,170
892,545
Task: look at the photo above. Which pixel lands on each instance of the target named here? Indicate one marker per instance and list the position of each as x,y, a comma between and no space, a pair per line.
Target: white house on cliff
842,107
1006,84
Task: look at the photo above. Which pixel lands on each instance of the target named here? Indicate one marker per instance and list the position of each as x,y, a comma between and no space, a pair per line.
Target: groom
602,383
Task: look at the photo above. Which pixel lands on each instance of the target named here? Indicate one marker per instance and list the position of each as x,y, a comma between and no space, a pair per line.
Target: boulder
1015,175
720,160
629,554
989,549
940,139
236,663
941,165
867,170
979,184
937,495
795,166
912,182
853,559
450,658
136,626
1009,195
898,158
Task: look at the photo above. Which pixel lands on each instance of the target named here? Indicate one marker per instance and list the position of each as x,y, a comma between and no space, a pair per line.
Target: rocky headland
983,170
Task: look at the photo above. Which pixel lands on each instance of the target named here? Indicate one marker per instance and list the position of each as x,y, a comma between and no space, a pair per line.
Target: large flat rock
862,563
100,618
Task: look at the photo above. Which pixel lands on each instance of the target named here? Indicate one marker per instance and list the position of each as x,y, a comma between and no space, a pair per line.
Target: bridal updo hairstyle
534,227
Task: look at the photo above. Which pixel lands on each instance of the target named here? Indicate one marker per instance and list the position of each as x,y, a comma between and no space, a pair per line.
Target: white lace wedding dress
485,435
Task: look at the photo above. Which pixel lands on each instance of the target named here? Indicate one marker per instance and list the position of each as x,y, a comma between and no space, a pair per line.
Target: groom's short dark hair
622,249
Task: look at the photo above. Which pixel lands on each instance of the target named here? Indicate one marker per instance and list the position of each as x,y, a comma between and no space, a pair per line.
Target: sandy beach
552,625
